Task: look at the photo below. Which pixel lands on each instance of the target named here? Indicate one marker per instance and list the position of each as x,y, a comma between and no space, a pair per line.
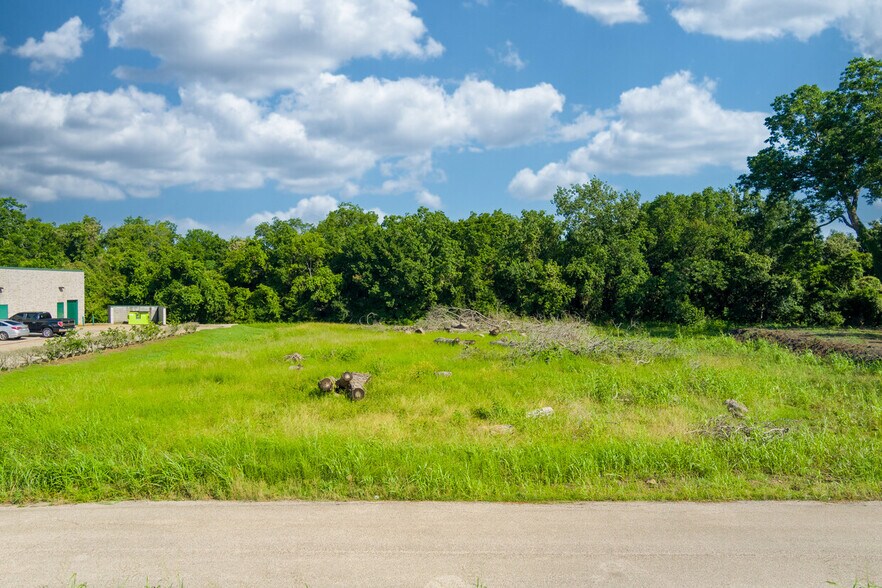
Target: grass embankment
219,414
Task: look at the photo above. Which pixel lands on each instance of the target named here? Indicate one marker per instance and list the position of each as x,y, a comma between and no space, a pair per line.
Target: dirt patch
863,346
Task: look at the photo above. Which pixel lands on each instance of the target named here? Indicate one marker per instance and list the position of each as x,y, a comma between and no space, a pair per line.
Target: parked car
43,323
13,330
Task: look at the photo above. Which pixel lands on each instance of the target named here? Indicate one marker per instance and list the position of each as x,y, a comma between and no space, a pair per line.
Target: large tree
826,146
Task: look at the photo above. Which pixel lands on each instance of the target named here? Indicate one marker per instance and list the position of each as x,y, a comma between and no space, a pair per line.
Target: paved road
441,544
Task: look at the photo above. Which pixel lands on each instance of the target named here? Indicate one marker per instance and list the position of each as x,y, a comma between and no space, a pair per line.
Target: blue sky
222,114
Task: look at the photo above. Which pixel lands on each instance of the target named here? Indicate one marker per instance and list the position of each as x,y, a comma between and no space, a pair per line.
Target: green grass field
219,414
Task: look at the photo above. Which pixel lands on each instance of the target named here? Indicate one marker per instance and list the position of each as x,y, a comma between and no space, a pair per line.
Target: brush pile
463,320
724,429
352,384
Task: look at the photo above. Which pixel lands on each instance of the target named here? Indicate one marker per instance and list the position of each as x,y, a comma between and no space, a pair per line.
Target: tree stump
352,384
326,384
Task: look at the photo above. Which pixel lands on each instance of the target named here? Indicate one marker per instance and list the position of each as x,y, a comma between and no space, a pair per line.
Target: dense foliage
752,255
718,254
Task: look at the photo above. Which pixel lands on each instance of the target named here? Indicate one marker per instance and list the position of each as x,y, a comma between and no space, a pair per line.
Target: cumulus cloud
740,20
584,126
418,114
610,11
324,138
57,47
255,47
106,145
673,128
429,200
311,210
408,174
541,185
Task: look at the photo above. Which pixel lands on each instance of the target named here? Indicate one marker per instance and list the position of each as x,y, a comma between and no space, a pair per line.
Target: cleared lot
224,414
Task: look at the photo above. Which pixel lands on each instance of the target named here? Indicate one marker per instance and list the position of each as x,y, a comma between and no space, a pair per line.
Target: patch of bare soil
864,346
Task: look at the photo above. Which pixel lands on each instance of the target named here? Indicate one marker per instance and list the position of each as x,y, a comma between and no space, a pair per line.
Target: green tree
205,246
693,241
603,248
350,232
27,242
482,239
827,146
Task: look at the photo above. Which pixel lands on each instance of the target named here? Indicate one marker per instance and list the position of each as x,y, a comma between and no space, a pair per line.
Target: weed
219,415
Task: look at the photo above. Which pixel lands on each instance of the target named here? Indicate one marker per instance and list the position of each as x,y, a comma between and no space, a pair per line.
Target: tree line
605,255
752,253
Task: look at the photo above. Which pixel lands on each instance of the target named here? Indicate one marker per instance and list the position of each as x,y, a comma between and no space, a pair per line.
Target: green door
4,311
59,310
73,311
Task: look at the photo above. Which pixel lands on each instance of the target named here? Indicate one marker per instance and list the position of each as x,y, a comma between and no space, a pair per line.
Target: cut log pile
352,384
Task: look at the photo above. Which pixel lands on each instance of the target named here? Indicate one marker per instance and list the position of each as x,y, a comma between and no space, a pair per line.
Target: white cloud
740,20
673,128
610,11
57,47
311,210
583,127
187,224
135,143
3,47
109,145
429,200
500,118
541,185
509,57
255,47
861,26
408,115
408,174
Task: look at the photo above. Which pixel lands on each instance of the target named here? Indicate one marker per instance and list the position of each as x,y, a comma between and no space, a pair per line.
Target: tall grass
219,414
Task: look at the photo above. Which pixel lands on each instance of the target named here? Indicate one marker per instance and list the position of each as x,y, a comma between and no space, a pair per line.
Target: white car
13,330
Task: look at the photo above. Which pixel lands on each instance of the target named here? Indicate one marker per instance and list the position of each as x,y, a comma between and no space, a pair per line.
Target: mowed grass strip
219,415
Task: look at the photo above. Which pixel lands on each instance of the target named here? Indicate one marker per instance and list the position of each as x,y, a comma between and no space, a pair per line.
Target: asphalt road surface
196,544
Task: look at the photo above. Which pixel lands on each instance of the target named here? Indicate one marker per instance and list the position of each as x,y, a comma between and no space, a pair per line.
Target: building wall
39,290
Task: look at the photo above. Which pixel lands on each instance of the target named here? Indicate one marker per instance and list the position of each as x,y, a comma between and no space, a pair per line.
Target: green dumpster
139,318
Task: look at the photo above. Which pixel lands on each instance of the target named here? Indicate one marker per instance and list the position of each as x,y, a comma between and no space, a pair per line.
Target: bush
82,343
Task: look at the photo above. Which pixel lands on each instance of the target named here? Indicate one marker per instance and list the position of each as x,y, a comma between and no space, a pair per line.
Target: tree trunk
358,380
865,240
352,384
326,384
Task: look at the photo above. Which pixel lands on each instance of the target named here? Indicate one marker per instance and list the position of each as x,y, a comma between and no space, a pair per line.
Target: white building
62,293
